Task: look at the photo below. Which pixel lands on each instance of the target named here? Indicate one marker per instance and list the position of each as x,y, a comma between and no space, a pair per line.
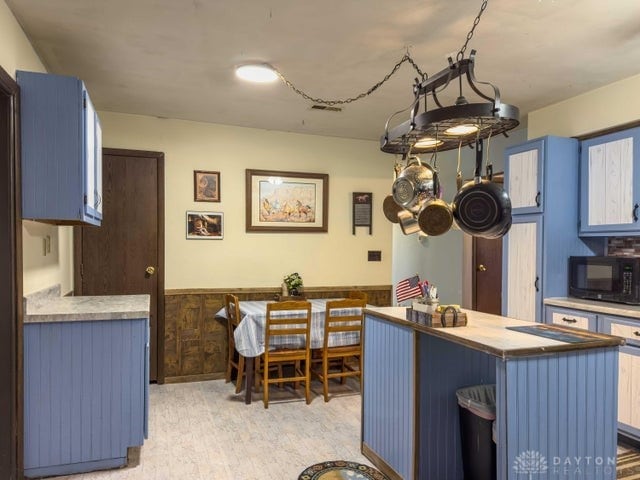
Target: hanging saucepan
482,208
435,217
413,185
408,222
391,209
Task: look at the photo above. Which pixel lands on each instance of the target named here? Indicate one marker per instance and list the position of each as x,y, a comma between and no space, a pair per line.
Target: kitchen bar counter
595,306
555,402
488,333
69,309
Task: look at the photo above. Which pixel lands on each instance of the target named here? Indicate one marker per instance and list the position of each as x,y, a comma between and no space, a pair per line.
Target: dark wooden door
10,285
487,276
125,255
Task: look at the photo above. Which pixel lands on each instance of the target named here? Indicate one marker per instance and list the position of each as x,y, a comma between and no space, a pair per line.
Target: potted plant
293,281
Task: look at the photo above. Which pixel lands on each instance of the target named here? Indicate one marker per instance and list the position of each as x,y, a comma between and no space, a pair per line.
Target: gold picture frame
286,201
206,186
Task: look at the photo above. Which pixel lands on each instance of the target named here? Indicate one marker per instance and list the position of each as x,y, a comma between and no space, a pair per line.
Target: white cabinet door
576,321
629,387
610,187
522,272
98,166
523,179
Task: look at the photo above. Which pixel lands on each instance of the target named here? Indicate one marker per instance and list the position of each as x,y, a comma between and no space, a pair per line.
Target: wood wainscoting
196,342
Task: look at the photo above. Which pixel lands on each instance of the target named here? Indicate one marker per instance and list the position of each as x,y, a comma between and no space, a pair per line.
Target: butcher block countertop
46,306
489,333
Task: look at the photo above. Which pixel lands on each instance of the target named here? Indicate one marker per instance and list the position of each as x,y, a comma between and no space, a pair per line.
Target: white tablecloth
249,335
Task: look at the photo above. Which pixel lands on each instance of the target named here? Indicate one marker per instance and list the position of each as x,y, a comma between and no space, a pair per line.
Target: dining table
249,335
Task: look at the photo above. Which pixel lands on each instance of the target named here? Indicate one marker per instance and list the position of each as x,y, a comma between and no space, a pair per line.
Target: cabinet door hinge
85,199
84,102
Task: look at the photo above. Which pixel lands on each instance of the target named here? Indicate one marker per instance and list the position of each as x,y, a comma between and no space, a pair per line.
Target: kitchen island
555,400
86,379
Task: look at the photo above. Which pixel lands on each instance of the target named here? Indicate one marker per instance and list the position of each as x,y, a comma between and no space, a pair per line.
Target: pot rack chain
476,21
405,58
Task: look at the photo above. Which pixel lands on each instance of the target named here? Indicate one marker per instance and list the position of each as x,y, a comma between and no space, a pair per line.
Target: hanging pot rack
491,117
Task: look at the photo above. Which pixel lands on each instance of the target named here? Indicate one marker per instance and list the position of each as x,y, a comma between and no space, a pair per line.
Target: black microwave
610,279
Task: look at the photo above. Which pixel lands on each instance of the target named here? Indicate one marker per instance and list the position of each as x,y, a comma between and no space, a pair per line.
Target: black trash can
477,406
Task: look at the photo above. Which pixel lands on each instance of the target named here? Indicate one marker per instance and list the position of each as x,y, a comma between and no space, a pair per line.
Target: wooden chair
359,295
334,358
278,325
232,306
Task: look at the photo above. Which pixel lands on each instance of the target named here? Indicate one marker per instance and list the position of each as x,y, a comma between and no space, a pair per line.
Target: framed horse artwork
286,201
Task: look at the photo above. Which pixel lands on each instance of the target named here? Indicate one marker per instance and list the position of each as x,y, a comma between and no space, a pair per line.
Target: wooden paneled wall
196,342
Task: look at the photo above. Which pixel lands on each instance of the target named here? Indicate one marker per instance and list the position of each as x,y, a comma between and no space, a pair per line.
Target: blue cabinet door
610,184
60,146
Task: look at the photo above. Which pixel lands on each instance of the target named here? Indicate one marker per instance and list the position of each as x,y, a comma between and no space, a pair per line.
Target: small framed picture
206,186
205,226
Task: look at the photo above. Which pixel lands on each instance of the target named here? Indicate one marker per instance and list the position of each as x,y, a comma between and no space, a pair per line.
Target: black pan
482,208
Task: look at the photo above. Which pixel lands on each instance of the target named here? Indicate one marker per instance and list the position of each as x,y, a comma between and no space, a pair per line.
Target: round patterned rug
341,470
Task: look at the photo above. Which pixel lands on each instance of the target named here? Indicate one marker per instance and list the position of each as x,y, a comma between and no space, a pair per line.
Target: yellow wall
261,259
40,271
614,104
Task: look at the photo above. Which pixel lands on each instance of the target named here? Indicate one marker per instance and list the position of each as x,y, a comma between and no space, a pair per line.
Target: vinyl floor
204,431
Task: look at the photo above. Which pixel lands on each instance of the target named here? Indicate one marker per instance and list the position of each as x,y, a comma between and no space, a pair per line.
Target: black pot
482,208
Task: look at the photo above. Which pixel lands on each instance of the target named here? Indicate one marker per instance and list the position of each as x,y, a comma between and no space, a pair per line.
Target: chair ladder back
338,322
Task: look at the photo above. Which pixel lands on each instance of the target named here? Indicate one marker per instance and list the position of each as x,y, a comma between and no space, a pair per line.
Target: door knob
482,268
150,270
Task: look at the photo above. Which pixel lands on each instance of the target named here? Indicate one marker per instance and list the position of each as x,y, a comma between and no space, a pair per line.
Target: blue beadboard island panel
86,394
556,401
388,415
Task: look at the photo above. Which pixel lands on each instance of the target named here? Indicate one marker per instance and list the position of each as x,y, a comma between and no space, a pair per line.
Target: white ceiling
175,58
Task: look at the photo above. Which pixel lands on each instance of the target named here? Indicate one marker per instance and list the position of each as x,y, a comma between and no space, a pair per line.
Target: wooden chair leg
343,379
256,374
325,379
296,369
307,381
241,374
227,375
265,385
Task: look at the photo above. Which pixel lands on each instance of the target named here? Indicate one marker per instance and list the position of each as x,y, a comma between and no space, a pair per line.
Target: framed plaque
362,202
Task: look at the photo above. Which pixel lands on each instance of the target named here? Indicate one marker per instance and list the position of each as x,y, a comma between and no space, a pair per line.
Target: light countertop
595,306
69,309
488,333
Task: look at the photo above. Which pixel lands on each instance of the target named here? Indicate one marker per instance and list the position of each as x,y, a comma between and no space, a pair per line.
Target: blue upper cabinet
541,178
61,150
610,184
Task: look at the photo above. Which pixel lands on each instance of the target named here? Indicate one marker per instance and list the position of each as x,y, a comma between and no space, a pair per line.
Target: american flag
408,288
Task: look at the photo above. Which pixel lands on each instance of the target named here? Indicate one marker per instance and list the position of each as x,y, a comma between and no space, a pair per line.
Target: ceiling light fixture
453,125
257,73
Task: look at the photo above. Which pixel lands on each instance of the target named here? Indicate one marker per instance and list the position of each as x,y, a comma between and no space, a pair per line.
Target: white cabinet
523,267
628,370
628,360
609,184
571,318
524,178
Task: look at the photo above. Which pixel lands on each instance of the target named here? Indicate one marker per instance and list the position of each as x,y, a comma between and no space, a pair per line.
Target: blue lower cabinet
85,394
